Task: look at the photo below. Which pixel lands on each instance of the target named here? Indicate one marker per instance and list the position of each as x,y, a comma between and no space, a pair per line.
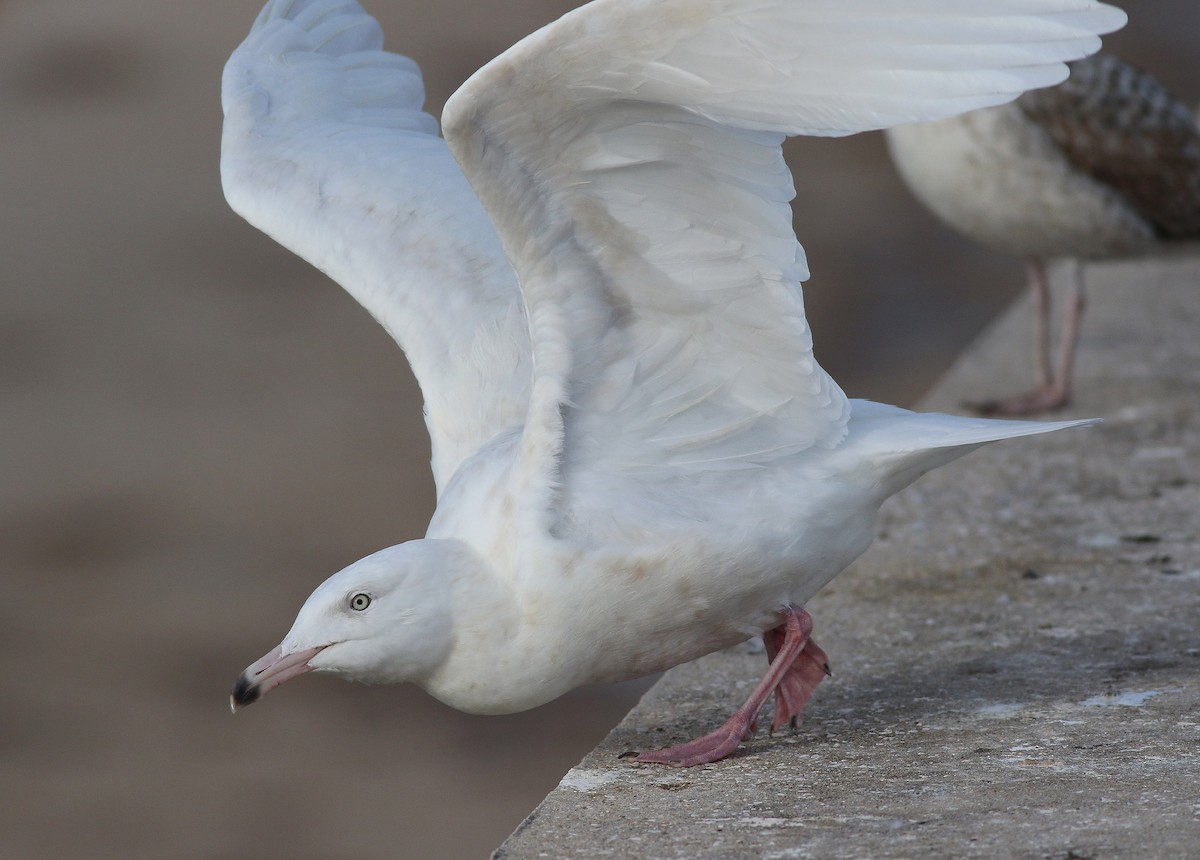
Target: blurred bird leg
1076,303
1053,381
1042,312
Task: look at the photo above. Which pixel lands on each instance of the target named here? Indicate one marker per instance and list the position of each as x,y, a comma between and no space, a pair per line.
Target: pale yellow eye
360,601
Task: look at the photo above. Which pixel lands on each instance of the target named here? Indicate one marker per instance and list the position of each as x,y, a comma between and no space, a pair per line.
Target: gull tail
892,447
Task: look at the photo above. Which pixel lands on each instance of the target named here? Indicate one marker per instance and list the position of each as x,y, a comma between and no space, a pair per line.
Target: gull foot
797,666
712,747
795,688
1049,399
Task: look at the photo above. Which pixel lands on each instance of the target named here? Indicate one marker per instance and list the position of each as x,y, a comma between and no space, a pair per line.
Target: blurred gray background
197,428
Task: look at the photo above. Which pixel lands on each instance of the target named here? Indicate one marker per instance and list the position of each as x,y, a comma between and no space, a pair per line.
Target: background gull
1104,166
638,459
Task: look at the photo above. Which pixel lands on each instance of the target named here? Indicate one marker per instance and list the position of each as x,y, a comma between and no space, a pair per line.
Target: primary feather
327,150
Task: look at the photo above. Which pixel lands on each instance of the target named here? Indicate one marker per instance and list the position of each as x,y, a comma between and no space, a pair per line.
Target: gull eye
360,601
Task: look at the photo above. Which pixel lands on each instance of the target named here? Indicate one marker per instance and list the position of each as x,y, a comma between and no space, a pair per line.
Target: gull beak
264,675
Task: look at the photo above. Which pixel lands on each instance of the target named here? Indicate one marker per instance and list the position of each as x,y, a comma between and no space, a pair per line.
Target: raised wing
629,155
1121,126
326,149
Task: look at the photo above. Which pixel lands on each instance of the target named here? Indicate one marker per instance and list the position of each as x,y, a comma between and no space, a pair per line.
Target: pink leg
1069,338
1041,322
791,648
1052,390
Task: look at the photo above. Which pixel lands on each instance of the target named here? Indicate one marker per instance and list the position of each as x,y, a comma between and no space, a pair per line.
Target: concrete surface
1017,659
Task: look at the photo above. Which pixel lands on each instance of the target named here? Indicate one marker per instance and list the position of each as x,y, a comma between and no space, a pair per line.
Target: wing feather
1124,128
327,150
629,155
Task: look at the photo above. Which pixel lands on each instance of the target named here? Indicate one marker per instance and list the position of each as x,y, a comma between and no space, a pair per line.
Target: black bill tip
244,693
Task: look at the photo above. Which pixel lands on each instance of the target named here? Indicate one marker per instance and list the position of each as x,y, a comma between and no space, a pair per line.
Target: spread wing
629,155
326,149
1121,126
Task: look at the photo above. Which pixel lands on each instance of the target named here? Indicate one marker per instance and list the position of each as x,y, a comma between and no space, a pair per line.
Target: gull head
385,619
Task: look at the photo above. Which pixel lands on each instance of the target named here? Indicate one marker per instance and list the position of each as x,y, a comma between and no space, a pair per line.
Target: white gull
638,460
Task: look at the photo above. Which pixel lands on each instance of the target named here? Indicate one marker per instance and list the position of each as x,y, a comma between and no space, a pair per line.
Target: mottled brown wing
1122,127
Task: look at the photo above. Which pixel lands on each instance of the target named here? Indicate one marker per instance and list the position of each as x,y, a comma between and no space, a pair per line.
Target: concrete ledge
1017,659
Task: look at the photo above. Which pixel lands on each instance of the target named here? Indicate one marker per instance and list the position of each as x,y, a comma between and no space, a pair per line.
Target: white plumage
638,458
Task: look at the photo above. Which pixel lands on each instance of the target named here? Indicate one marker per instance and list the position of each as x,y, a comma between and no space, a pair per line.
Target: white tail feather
899,446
